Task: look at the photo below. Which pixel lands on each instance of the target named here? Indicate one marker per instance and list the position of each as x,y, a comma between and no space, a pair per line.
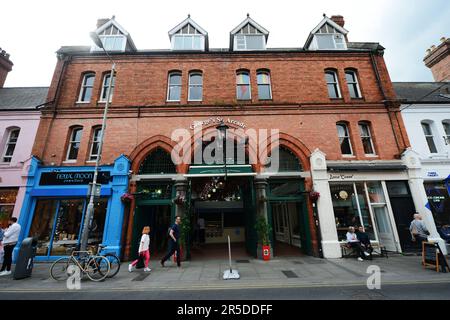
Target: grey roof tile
423,92
22,98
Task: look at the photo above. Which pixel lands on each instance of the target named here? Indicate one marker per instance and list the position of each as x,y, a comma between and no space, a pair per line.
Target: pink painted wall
13,174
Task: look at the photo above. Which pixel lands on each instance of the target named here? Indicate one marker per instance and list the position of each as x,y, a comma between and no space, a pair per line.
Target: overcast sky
31,31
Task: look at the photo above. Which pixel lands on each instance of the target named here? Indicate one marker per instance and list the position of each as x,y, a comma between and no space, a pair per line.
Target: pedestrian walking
144,251
174,242
10,238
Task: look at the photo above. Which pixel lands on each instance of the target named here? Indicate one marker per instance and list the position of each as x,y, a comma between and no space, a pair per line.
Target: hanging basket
127,197
179,201
314,195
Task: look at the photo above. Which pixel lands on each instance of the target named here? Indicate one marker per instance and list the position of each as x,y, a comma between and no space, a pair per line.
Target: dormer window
328,35
188,36
248,36
113,36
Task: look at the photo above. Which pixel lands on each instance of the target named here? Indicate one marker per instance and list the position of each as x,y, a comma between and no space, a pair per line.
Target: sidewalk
277,273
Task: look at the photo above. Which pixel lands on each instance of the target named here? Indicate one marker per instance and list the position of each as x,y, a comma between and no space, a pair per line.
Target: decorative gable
328,35
188,35
113,36
248,35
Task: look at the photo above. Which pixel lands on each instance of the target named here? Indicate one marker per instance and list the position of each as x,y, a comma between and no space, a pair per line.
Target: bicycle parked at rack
95,267
113,259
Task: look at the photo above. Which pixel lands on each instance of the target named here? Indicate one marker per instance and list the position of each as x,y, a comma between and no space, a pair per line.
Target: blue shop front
55,203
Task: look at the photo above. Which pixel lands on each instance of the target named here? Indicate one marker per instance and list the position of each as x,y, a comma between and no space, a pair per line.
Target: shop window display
7,202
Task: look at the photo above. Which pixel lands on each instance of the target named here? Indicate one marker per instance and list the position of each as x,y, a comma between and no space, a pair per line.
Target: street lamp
90,208
222,128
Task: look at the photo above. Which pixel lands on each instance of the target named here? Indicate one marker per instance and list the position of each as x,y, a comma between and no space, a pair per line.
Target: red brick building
332,101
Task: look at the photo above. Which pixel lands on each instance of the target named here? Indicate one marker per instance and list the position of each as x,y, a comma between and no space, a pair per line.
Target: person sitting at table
364,240
353,242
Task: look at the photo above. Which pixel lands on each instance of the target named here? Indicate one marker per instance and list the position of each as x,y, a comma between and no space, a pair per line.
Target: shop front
55,205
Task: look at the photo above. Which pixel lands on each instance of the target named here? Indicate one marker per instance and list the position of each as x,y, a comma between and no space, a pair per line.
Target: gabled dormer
113,36
329,34
188,35
248,35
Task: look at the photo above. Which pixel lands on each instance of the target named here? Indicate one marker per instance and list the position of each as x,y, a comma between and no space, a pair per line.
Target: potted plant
127,197
263,230
314,195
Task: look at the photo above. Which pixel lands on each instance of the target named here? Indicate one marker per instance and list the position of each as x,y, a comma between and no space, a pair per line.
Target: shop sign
341,176
216,120
432,174
73,178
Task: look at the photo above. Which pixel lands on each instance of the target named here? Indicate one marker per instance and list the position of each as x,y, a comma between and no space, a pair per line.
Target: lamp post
222,128
90,208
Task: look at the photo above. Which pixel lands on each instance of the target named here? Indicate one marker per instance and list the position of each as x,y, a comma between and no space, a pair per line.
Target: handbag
140,264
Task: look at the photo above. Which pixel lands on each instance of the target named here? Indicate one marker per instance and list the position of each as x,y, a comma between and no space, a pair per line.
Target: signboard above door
73,178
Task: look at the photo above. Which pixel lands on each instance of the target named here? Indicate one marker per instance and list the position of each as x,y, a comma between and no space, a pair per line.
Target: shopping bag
140,263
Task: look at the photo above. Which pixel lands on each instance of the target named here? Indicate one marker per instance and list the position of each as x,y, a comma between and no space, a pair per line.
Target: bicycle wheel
114,263
60,270
97,268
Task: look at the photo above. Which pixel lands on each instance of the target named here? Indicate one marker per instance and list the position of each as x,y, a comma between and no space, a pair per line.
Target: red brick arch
147,146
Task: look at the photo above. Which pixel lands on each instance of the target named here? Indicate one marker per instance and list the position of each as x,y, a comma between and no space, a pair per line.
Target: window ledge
372,156
337,99
82,102
348,156
173,101
266,100
69,161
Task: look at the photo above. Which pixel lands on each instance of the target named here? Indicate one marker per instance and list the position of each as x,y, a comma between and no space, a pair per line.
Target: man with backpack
174,242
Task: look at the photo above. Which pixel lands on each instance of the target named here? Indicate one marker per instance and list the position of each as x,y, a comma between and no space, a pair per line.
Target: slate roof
423,92
22,98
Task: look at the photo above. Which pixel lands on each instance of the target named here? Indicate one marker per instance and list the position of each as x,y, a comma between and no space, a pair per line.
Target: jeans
173,247
358,248
7,259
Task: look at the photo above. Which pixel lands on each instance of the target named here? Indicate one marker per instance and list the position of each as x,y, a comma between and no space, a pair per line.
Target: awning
219,171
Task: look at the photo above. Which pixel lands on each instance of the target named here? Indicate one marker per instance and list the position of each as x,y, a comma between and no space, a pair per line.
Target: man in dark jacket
364,239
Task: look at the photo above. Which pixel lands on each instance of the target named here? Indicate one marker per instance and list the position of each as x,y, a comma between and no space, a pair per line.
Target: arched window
157,162
174,86
105,87
366,138
195,86
288,161
428,132
264,85
332,84
13,136
446,124
344,139
74,143
243,88
352,83
86,87
95,144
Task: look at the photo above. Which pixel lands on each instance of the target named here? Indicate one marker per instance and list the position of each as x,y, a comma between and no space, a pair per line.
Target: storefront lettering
341,176
216,120
72,178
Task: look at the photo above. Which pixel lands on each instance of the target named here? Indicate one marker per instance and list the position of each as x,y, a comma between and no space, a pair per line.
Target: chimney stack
5,66
339,20
101,22
438,60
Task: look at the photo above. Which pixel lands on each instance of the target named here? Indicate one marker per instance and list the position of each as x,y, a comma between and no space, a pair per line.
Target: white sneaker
360,259
6,273
367,254
2,273
130,268
147,270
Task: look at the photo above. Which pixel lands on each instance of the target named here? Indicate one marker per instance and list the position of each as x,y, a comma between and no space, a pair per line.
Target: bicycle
95,267
113,259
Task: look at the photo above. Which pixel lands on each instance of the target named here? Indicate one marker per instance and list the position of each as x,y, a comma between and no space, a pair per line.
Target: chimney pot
443,39
339,20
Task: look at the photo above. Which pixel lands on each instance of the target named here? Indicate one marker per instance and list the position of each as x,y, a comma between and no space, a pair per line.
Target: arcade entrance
222,208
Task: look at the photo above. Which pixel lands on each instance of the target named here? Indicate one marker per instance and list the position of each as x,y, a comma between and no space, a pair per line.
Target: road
410,291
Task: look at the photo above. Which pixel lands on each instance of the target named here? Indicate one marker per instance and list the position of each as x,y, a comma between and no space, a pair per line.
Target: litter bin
24,263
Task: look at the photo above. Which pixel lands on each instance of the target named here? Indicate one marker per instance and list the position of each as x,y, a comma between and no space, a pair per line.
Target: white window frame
92,143
249,85
358,90
84,86
194,85
8,142
316,41
168,85
336,78
347,132
430,126
202,41
446,134
71,141
369,136
263,41
270,83
104,36
105,88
